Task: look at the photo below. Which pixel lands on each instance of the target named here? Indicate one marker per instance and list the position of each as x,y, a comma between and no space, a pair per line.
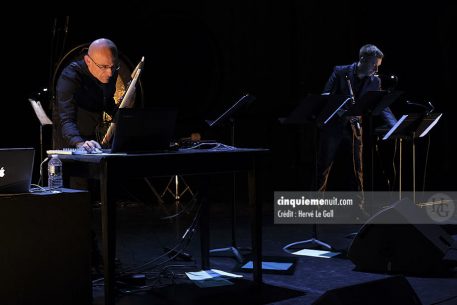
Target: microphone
351,93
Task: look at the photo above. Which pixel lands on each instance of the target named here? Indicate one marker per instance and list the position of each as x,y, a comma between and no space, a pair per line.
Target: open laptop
143,130
16,168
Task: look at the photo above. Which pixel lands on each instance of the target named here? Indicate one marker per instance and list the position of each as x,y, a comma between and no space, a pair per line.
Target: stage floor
146,228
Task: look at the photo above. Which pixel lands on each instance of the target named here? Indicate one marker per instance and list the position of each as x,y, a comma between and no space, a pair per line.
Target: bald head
102,59
103,45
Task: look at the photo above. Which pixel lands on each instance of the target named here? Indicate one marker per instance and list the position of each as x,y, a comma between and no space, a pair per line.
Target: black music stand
317,110
44,120
370,104
411,126
228,115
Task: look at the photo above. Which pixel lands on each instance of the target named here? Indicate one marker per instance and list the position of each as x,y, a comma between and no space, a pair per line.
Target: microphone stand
229,116
233,248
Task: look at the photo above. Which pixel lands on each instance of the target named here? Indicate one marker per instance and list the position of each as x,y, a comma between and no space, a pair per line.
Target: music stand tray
306,111
373,102
386,100
335,105
244,100
413,125
321,108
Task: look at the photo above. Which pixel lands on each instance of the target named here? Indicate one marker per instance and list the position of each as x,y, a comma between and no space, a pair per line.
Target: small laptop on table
143,130
16,168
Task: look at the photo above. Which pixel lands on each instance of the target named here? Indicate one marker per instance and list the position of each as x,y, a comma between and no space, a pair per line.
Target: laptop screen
16,168
143,130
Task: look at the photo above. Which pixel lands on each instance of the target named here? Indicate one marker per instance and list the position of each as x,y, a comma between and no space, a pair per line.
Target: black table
111,169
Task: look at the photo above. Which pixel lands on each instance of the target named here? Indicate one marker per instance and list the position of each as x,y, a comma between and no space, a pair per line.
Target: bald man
84,90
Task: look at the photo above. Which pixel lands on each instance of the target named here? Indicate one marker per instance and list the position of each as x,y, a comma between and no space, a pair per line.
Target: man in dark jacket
85,89
353,80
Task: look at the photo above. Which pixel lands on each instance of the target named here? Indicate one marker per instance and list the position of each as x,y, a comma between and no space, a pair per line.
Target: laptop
16,168
144,130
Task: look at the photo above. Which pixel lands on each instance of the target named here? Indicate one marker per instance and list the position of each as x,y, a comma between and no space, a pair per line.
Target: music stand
370,104
228,115
411,126
44,120
317,110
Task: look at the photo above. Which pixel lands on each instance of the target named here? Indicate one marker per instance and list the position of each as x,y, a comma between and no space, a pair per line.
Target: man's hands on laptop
90,147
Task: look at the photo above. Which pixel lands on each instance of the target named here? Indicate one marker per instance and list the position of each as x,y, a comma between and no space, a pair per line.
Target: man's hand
90,146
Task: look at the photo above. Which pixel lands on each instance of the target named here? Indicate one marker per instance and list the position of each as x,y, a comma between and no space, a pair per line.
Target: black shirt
80,102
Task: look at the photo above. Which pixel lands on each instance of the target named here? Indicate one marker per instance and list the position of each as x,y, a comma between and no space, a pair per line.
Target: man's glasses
105,67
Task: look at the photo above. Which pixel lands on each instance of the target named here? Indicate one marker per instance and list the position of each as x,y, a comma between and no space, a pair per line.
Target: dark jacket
80,102
337,84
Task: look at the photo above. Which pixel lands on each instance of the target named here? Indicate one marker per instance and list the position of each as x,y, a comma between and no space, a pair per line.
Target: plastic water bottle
55,179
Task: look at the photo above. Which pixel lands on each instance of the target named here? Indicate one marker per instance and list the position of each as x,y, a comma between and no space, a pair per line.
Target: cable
426,163
165,271
65,34
38,188
187,235
213,146
80,48
57,48
378,154
157,277
191,203
394,168
445,300
41,180
189,232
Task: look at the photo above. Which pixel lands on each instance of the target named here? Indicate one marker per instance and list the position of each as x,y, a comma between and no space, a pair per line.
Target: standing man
355,80
85,89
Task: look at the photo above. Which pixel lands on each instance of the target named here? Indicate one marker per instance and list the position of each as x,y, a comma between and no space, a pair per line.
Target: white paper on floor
316,253
269,265
211,278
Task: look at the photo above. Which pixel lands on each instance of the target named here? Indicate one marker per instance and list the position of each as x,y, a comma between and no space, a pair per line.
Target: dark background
203,55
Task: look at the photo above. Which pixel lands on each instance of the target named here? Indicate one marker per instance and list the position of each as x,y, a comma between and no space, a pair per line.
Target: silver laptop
16,168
